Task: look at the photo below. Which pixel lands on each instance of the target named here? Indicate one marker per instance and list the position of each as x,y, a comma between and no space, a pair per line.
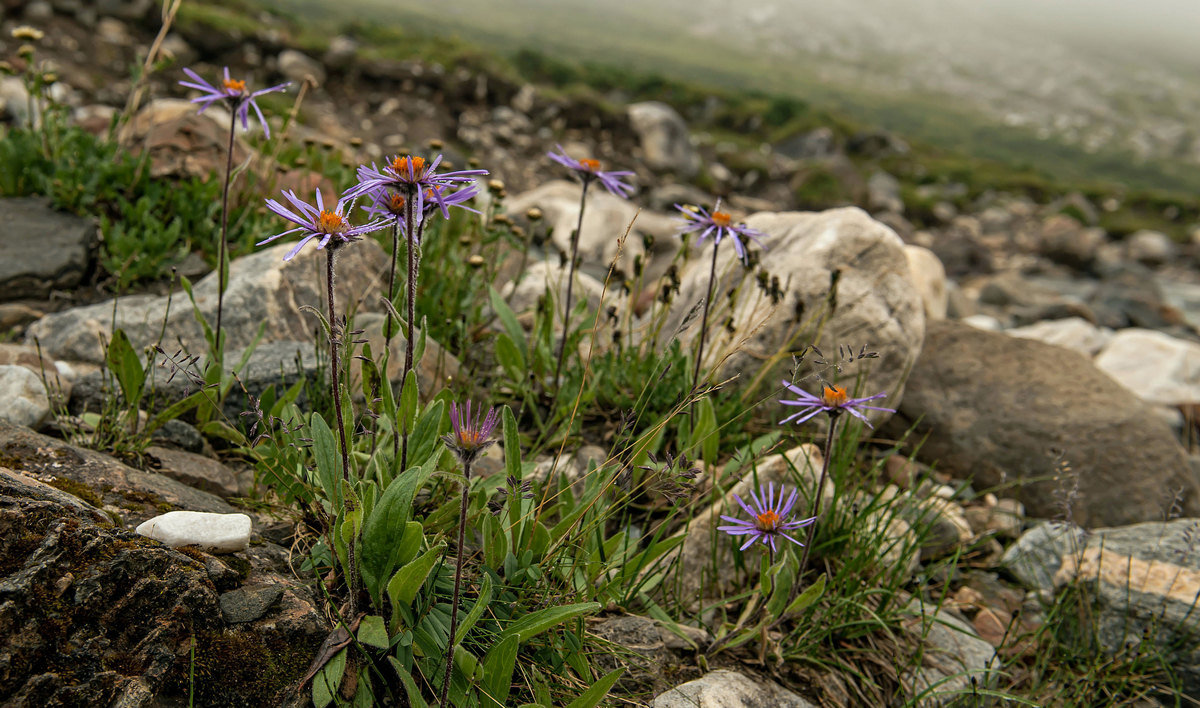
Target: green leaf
592,697
372,632
328,679
325,453
481,603
534,624
407,582
497,672
385,529
510,358
126,365
508,320
425,436
805,599
415,700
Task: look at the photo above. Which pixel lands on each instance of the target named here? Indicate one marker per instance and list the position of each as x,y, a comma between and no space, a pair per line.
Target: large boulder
44,249
1044,423
839,268
666,144
263,290
1145,579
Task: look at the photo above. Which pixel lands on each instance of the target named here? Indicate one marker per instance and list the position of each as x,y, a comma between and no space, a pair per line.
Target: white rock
728,689
1070,333
666,143
986,322
1150,247
1157,367
24,396
929,277
215,533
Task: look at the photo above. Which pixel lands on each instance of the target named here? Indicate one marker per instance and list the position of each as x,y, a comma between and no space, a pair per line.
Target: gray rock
1157,367
953,658
1064,240
341,52
1145,579
815,144
1044,422
1150,247
249,602
729,689
1037,556
44,249
133,494
605,220
24,396
1073,333
195,470
654,645
883,193
666,143
929,278
263,290
876,303
181,435
1129,296
298,67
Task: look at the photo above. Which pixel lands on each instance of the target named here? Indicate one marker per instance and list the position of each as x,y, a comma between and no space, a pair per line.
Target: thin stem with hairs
562,347
458,565
335,366
223,247
812,530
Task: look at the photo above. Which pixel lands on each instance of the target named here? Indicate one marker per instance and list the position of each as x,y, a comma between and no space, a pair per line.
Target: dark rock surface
1001,410
44,249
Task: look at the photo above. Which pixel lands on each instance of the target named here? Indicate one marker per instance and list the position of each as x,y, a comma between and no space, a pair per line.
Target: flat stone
44,249
1037,556
215,533
249,602
195,470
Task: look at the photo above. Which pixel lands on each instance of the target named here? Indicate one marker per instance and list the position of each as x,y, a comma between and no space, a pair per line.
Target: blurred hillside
1078,90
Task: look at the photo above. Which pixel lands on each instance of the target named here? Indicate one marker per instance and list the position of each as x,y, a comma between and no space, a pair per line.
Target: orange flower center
235,85
469,438
767,521
834,396
330,223
590,165
721,218
402,165
396,204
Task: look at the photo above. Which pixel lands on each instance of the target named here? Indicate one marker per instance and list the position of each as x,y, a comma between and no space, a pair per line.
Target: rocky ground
1052,370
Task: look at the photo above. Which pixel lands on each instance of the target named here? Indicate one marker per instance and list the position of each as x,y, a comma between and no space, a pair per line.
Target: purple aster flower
412,177
720,225
767,520
833,400
389,205
471,435
233,92
587,170
318,222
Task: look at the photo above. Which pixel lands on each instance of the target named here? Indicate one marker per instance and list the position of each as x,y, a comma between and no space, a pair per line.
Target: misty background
993,76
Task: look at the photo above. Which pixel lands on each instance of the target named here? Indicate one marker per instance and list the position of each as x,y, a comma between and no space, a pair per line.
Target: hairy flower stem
335,367
411,306
812,528
390,328
458,565
223,247
562,347
712,282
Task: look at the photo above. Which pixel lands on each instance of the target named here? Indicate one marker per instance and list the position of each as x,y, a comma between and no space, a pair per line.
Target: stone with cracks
44,249
838,265
263,290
